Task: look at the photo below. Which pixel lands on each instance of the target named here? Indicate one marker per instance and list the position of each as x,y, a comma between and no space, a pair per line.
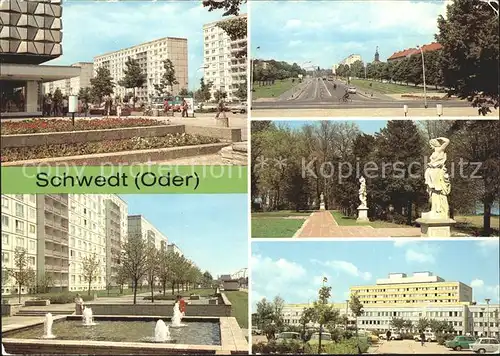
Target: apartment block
221,66
138,225
71,86
116,233
150,56
351,59
174,248
19,229
420,288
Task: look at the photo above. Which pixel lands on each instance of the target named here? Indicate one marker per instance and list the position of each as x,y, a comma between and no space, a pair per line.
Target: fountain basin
128,335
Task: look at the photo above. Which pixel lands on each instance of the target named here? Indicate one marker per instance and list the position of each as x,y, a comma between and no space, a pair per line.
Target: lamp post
196,76
423,75
252,67
488,314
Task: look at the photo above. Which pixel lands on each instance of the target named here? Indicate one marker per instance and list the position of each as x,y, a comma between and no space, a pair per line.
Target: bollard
439,108
405,109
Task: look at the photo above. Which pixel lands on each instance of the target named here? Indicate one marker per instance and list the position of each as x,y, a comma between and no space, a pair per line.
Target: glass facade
13,96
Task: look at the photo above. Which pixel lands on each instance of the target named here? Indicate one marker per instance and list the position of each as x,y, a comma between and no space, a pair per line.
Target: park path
323,224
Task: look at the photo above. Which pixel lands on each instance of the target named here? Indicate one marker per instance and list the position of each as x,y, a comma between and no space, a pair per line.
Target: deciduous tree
167,80
90,268
22,273
102,84
133,76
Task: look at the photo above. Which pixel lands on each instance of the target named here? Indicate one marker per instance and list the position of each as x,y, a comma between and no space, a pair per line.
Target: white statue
362,192
322,198
437,179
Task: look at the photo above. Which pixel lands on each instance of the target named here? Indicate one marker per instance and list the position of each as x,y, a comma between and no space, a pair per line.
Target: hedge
64,298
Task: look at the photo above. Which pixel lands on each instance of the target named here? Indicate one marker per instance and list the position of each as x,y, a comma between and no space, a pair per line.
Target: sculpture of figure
322,198
437,178
362,191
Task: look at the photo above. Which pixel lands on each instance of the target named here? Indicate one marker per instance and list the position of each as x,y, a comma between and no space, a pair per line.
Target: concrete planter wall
10,309
36,303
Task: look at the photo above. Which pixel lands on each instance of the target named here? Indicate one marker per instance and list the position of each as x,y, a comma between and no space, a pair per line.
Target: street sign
72,103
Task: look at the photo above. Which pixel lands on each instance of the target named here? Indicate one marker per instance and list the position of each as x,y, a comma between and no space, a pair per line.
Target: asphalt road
319,93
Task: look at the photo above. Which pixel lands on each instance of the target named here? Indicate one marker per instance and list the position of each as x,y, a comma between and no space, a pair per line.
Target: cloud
294,43
418,251
346,267
477,283
412,255
483,290
489,246
293,23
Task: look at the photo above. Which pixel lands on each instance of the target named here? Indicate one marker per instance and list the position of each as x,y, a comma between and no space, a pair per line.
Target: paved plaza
323,224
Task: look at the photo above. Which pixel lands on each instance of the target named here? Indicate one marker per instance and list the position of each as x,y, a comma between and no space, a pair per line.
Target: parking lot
414,347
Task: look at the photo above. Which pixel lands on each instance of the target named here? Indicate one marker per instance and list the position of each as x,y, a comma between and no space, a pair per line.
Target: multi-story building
139,226
116,215
351,59
174,248
19,229
30,34
150,56
400,55
421,287
458,309
71,86
53,240
221,65
58,231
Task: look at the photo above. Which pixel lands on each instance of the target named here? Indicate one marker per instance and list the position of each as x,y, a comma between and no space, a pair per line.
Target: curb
299,231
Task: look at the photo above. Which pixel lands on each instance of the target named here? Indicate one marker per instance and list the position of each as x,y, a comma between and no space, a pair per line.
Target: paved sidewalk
413,347
323,224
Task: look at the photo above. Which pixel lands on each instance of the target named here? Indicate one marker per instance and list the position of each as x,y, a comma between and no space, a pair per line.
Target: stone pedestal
222,122
435,226
362,214
322,206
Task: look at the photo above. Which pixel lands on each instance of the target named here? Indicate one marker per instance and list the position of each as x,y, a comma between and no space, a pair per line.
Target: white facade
19,229
116,221
351,59
221,67
174,248
150,56
87,236
72,86
138,225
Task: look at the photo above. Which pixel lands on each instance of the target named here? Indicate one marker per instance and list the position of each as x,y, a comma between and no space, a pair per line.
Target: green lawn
388,88
272,91
239,301
473,224
343,220
275,224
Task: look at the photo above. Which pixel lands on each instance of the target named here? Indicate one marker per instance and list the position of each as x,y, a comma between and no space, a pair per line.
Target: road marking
328,91
316,89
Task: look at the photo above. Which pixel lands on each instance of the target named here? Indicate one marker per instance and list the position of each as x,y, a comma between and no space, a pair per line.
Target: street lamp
423,75
252,67
488,313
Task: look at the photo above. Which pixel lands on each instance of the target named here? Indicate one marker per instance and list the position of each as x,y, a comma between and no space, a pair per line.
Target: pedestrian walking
78,305
422,338
184,108
65,106
221,109
388,334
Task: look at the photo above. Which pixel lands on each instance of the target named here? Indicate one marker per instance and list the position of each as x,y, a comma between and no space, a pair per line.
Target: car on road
429,336
460,342
239,108
287,336
394,336
351,90
486,345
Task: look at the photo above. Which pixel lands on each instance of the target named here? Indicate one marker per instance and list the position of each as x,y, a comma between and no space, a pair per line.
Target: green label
124,179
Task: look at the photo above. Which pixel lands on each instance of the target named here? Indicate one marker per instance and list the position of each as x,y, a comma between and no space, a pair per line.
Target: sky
326,32
92,28
210,229
366,126
294,269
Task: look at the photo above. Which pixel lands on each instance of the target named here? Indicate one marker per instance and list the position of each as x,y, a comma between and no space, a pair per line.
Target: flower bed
60,125
88,148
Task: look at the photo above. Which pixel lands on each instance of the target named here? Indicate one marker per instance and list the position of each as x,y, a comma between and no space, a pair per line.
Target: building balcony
53,268
61,198
56,225
239,41
54,238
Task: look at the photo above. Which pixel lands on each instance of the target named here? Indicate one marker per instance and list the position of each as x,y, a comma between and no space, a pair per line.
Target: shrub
258,347
64,298
442,338
161,297
407,336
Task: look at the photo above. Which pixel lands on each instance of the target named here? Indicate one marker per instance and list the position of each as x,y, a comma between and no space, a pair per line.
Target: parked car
239,108
486,345
429,336
351,90
369,334
460,342
287,336
395,335
326,338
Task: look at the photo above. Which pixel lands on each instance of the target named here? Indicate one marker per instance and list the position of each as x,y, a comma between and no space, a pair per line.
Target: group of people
421,336
184,107
54,107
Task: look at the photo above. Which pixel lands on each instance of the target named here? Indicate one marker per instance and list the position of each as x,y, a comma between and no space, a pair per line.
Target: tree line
267,72
467,64
140,262
291,168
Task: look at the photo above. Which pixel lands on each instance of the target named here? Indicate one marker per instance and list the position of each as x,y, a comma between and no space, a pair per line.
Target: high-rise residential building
87,233
59,231
19,229
139,226
71,86
150,56
351,59
116,233
420,288
422,295
30,34
53,240
174,248
221,66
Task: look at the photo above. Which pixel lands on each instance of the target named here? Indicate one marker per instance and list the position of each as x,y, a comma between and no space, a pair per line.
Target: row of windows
18,224
21,197
408,289
8,240
6,256
414,295
408,301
